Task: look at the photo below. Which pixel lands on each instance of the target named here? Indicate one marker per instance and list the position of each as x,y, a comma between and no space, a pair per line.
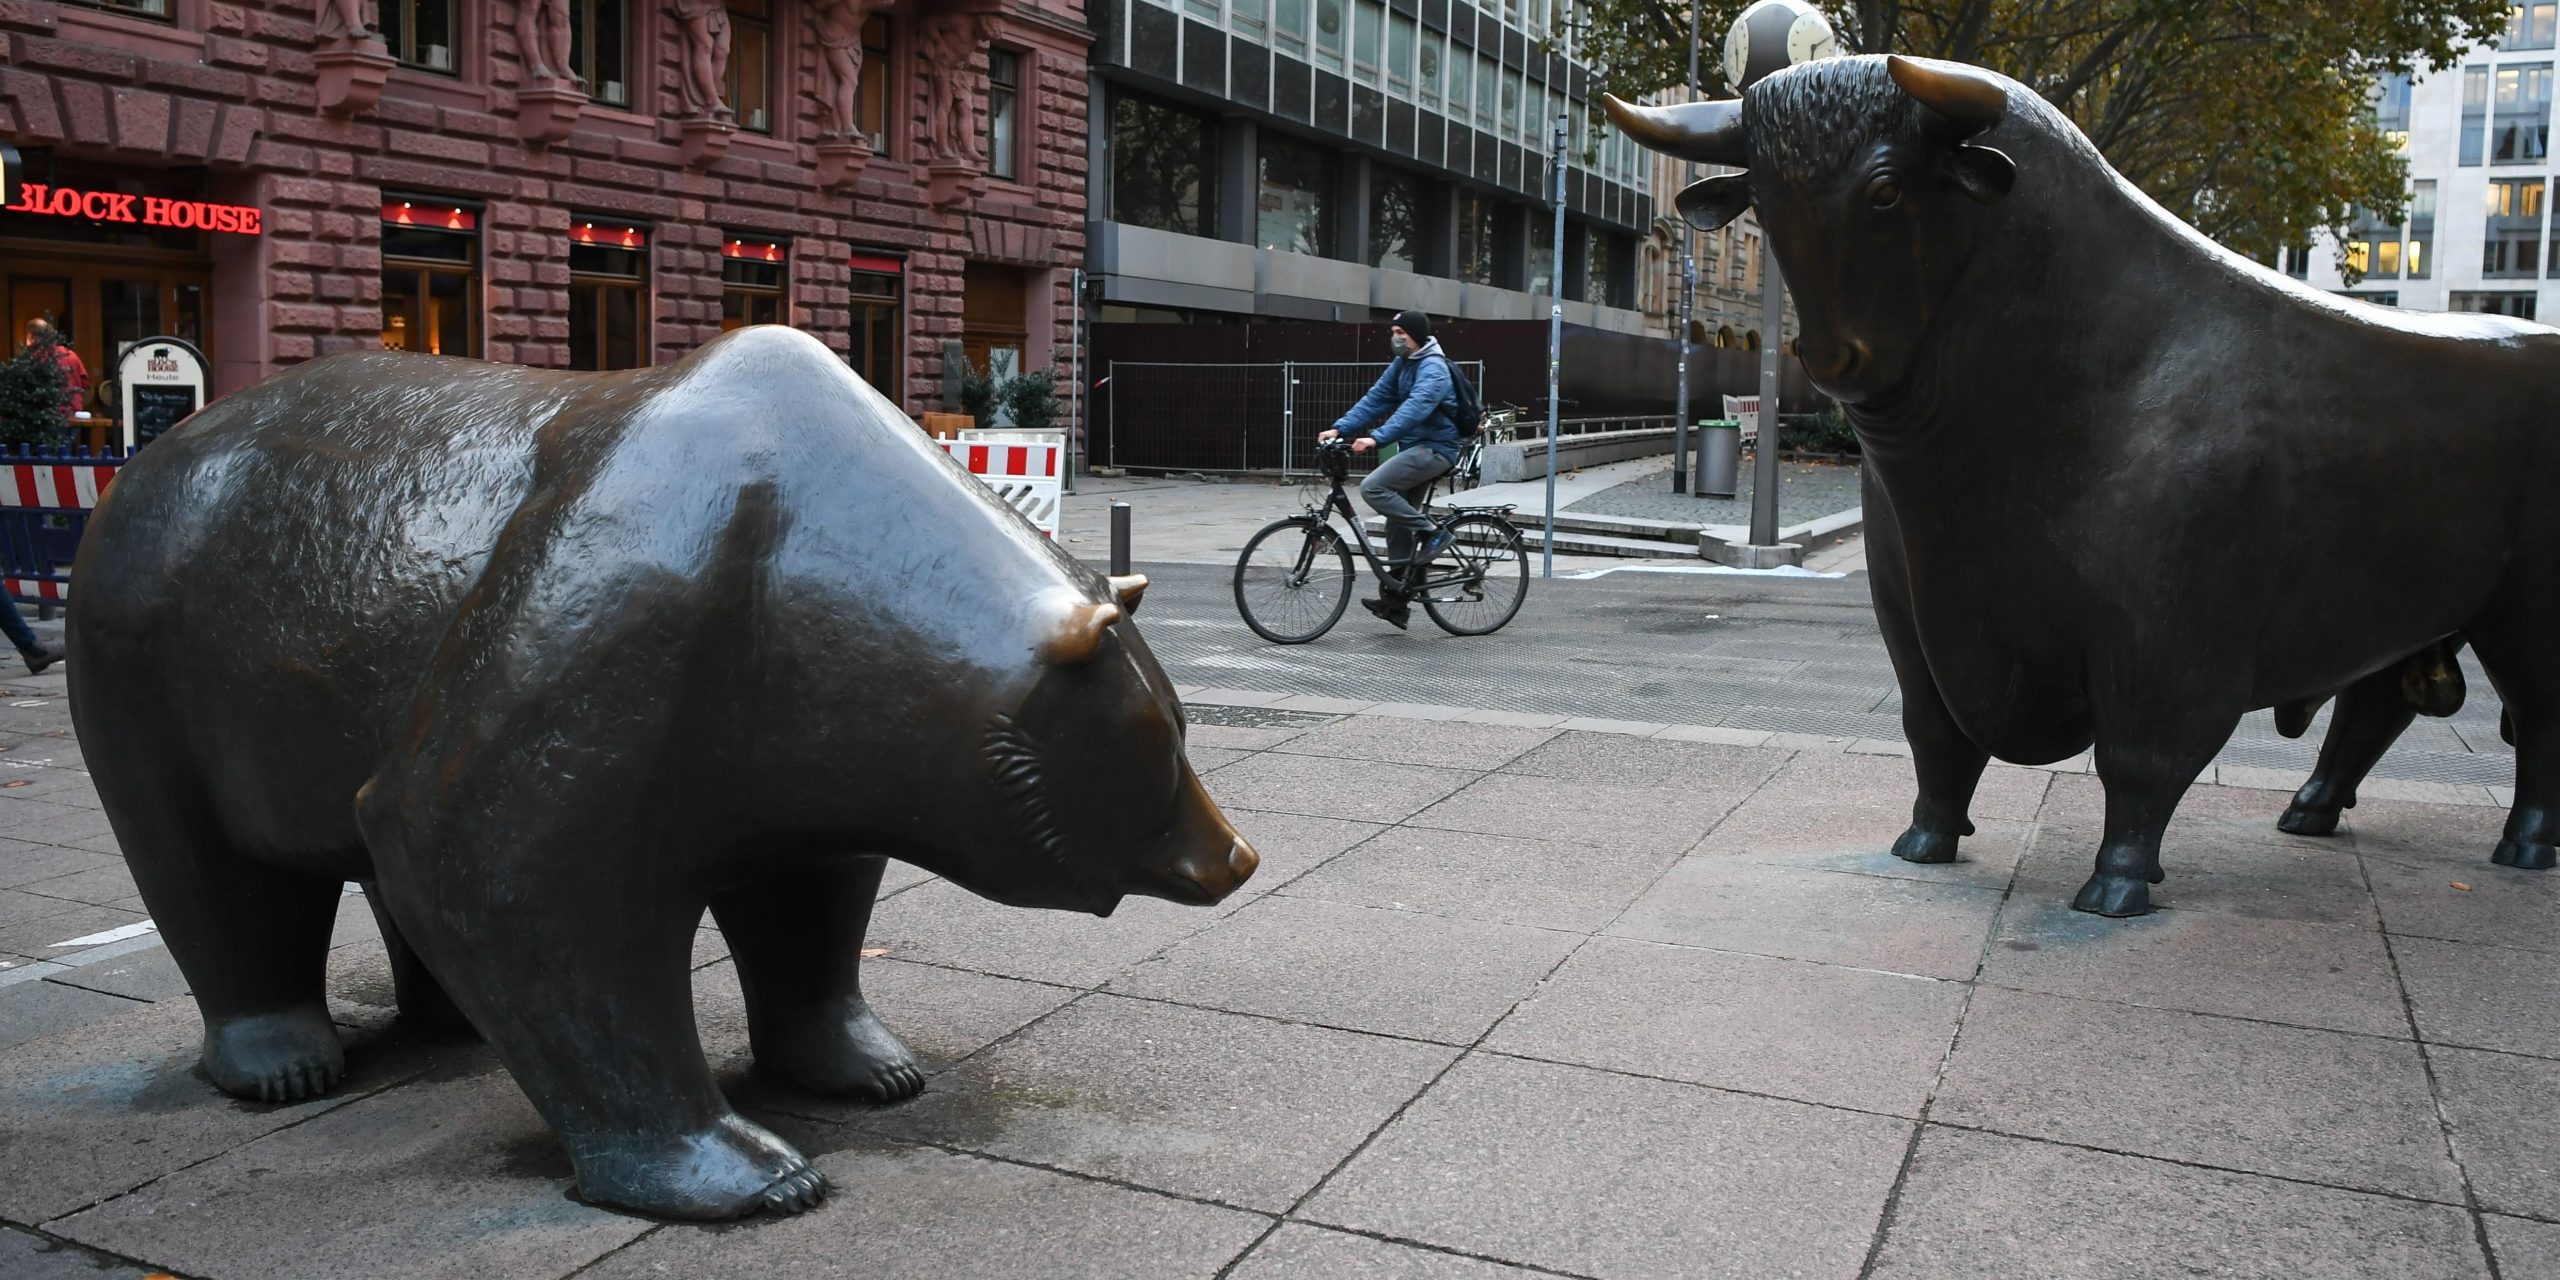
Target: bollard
1119,538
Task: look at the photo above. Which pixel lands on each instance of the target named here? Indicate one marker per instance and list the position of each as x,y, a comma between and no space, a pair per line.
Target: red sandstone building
583,184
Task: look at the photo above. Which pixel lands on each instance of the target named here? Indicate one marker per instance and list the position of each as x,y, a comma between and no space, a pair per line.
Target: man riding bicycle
1415,398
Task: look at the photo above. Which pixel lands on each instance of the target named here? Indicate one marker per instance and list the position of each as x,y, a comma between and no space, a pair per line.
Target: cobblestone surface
1806,491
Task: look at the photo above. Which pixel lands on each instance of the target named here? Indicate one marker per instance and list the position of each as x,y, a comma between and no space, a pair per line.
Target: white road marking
134,930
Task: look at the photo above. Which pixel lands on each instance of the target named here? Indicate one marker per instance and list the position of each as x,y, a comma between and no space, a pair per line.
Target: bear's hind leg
253,942
424,1005
797,939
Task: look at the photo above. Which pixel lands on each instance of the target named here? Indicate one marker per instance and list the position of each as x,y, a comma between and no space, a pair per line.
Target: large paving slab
1993,1208
1244,1111
2314,975
1546,883
1870,922
1608,1175
1301,1252
942,923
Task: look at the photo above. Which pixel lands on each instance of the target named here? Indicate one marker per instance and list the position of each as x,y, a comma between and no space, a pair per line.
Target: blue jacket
1415,398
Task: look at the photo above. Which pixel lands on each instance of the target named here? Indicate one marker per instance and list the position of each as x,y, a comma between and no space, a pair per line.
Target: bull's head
1085,792
1867,187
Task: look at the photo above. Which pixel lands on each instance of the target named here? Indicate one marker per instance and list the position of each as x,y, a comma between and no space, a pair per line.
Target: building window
1289,23
2519,305
1162,165
1511,104
1004,96
1462,80
2521,132
1367,16
2418,262
1542,266
145,8
430,276
599,48
1476,239
419,32
2529,26
1427,73
2372,248
750,82
608,294
876,70
1488,77
1396,215
1400,42
879,340
753,273
1602,255
1329,24
2387,298
2391,107
2475,112
1245,17
1292,208
2513,247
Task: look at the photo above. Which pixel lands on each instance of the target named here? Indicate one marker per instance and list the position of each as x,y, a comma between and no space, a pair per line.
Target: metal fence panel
1320,394
1196,417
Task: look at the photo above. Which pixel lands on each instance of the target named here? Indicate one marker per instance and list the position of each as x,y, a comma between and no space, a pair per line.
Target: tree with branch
2253,121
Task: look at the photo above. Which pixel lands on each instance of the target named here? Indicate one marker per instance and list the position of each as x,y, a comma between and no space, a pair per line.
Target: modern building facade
1725,312
2478,234
1335,161
581,184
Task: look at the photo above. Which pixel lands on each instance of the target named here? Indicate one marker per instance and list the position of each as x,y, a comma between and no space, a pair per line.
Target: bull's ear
1078,635
1712,202
1984,173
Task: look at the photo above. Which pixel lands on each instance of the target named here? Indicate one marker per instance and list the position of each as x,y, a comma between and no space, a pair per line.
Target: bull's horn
1969,98
1707,132
1129,588
1079,634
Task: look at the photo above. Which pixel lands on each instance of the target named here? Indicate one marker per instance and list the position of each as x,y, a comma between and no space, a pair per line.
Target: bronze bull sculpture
2124,486
552,662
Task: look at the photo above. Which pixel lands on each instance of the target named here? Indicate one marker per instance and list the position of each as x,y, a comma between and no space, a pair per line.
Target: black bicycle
1295,577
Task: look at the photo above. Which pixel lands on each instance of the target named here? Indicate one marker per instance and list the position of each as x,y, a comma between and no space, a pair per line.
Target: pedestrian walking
37,653
44,338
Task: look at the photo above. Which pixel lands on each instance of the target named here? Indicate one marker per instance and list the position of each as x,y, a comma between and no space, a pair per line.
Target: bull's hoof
734,1169
2117,896
293,1056
2525,855
2308,820
1917,845
843,1055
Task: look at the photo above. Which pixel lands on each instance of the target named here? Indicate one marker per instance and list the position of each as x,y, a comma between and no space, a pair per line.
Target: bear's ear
1129,589
1078,635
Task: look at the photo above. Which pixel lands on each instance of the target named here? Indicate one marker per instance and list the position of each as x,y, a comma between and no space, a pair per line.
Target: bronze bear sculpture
552,662
2124,486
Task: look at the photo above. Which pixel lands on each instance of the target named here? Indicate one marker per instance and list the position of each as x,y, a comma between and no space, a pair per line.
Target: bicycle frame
1336,500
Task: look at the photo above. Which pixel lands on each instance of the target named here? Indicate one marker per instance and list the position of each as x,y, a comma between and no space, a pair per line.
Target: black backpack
1469,407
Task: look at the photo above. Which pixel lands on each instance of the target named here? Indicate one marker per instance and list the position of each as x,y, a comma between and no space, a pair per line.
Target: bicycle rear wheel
1483,578
1293,580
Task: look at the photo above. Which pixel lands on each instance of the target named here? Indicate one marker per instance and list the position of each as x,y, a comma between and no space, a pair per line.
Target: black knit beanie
1416,326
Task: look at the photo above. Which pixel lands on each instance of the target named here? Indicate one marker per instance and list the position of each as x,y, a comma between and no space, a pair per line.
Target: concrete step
1576,542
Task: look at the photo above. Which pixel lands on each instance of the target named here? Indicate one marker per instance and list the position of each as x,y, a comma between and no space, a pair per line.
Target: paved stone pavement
1515,993
1807,491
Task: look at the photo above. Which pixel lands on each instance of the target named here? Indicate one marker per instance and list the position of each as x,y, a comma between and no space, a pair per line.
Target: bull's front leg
2371,715
1949,763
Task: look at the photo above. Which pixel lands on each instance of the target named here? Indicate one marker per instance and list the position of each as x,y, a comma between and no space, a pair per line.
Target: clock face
1810,38
1737,54
1773,35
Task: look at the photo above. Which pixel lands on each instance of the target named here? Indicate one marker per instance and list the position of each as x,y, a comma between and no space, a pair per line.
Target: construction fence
1228,417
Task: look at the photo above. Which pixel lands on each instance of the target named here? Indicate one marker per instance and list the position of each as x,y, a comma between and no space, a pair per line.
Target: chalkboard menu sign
153,409
162,381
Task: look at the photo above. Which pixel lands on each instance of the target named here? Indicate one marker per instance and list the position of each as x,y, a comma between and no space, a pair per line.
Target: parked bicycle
1295,576
1469,471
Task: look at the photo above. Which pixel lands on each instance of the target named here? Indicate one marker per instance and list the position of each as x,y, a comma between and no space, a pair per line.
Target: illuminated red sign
447,218
609,235
752,250
143,211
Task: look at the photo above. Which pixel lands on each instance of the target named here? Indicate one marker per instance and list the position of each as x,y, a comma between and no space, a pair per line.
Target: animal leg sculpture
2143,787
798,943
2371,715
1949,763
252,940
2516,657
424,1004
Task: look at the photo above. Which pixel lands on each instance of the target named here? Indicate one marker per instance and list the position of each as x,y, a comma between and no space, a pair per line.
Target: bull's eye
1885,194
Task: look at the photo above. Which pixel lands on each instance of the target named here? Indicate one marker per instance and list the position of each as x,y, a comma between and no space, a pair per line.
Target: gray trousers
1395,489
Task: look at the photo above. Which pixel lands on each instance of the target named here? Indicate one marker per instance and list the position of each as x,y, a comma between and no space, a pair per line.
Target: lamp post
1688,293
1555,337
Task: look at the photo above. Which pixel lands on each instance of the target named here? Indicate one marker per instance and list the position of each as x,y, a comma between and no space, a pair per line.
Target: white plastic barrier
1026,469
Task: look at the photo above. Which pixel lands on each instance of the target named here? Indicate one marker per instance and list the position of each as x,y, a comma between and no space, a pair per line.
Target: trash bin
1719,457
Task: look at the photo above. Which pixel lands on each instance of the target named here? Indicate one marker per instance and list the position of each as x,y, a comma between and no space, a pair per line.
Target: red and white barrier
1026,469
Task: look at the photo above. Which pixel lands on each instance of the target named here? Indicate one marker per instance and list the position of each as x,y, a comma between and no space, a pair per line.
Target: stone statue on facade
341,22
705,27
839,26
947,42
542,40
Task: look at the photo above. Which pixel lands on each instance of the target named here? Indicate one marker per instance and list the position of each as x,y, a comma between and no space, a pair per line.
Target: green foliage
34,396
1032,399
1825,432
978,394
2251,120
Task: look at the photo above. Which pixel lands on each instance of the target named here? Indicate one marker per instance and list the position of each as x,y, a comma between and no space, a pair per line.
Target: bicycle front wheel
1482,578
1293,580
